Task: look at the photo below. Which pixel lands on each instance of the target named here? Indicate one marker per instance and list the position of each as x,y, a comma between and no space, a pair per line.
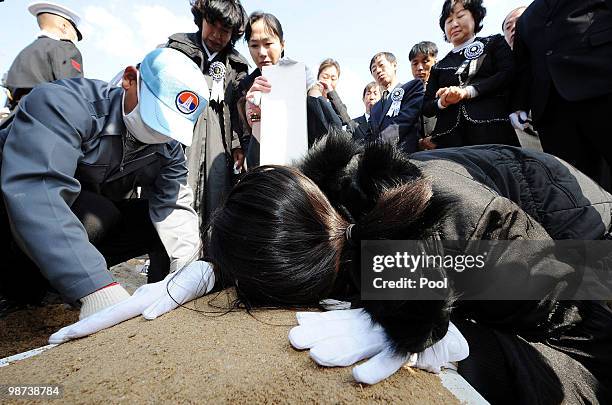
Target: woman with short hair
468,89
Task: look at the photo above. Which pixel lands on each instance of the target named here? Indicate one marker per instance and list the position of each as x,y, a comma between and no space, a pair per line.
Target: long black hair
280,237
290,237
275,238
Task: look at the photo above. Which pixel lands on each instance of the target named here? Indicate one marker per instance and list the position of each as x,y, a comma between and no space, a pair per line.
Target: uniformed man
52,56
71,155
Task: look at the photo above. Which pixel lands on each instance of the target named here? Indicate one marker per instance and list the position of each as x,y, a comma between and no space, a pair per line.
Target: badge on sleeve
217,73
76,65
474,50
397,95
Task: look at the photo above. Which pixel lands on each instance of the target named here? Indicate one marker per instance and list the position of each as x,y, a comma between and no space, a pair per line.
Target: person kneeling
72,155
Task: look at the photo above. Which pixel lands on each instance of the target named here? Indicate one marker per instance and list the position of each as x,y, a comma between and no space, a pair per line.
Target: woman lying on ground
300,232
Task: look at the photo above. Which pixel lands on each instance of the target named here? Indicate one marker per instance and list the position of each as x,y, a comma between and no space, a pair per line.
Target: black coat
566,44
492,81
216,133
340,109
482,192
362,132
44,60
404,128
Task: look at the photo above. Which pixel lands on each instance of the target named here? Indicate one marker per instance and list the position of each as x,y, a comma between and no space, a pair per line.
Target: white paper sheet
284,136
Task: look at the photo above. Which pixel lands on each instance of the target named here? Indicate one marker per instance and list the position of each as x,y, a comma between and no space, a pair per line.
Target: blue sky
118,33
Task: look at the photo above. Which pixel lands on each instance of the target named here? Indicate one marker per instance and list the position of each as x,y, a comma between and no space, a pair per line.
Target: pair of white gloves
345,337
335,338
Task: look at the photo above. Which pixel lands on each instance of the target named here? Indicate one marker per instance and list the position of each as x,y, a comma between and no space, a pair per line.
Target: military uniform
44,60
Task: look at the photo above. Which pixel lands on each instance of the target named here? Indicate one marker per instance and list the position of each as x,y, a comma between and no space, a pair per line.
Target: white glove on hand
150,300
342,338
519,120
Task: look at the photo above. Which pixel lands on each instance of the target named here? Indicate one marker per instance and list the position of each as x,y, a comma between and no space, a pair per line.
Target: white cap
52,8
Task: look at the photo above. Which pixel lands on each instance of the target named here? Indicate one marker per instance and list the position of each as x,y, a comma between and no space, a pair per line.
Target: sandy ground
30,327
197,357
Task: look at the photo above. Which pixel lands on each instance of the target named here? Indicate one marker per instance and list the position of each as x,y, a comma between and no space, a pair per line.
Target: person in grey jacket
72,156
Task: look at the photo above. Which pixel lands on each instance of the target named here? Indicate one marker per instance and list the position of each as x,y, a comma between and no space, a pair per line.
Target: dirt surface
193,357
29,328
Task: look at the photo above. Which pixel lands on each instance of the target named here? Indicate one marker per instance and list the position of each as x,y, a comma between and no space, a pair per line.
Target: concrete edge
460,388
20,356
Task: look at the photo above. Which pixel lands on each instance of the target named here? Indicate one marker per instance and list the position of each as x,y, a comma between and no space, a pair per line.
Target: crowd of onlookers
545,75
547,79
95,173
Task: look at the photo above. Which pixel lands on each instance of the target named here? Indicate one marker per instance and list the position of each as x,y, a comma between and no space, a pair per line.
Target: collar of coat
190,44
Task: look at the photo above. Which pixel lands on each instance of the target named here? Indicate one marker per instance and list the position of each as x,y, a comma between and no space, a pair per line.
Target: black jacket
362,132
402,129
340,109
492,81
566,44
483,192
220,120
44,60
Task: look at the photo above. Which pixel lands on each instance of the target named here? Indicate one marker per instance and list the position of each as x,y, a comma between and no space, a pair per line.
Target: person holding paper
264,35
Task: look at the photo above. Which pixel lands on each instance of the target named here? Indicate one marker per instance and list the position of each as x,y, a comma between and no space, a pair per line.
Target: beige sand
30,327
190,357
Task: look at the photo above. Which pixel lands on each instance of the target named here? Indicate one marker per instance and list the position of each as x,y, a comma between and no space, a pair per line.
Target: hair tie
348,232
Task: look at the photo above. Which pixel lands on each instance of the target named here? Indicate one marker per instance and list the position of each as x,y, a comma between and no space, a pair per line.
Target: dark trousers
580,132
119,230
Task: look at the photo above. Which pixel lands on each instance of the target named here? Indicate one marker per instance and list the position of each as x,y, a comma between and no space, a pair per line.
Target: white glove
342,338
150,300
519,120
